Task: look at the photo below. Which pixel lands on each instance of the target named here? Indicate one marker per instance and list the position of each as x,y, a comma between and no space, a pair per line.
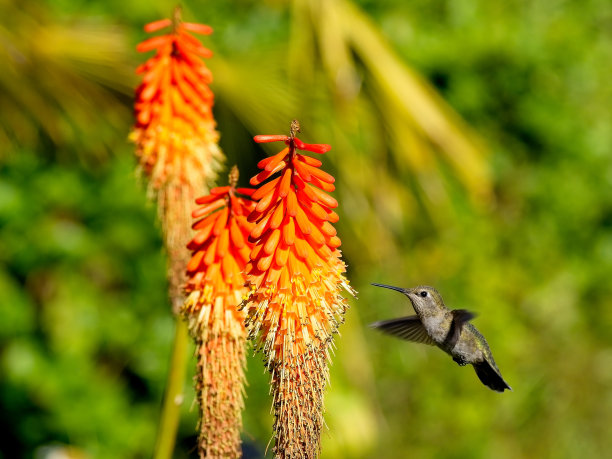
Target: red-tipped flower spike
215,288
295,278
175,130
175,136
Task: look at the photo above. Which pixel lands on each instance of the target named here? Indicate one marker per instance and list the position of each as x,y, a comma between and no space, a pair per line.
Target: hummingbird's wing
460,317
409,328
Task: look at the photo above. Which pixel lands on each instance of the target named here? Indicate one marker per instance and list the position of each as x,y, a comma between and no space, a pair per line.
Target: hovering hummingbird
451,331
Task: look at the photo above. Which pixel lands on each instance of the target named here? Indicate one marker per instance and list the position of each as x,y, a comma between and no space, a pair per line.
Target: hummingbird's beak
399,289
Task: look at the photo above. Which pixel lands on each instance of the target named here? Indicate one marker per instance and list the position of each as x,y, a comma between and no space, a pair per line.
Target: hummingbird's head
423,297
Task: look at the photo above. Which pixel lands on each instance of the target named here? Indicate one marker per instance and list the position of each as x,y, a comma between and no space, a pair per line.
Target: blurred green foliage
85,328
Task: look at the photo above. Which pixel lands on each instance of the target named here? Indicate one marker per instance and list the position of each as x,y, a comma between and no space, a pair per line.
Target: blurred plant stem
173,399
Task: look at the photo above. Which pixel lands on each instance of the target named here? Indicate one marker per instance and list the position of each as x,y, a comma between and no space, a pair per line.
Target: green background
85,325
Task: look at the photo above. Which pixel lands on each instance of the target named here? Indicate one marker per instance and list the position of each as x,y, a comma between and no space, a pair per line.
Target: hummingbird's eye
423,293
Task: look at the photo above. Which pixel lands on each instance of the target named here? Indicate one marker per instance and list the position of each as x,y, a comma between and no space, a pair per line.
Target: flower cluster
295,276
295,266
220,251
175,130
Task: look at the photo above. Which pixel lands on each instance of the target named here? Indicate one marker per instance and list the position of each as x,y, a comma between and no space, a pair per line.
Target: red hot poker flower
215,288
175,130
175,136
295,278
220,251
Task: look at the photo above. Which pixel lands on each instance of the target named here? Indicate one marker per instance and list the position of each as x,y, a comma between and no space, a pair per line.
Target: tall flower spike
295,278
215,288
175,136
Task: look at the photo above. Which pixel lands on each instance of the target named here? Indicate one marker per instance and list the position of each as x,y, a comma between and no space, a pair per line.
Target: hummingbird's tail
490,376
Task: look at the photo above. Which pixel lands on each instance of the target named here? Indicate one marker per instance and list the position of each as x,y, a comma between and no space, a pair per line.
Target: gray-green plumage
450,330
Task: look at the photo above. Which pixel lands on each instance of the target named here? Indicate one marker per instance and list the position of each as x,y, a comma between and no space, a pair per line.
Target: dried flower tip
294,128
176,17
233,176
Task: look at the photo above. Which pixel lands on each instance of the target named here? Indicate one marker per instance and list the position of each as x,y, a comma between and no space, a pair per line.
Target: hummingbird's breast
437,325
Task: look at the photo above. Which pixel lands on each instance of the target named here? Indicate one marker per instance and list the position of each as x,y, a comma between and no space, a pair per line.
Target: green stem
173,398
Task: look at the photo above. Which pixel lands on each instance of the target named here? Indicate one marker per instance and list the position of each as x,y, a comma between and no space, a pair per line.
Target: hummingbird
450,330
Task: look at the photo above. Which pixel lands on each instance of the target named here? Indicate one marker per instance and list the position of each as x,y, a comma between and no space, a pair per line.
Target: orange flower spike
294,277
214,289
175,131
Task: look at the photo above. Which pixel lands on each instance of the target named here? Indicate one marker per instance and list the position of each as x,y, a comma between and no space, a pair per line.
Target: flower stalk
173,398
177,151
220,251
